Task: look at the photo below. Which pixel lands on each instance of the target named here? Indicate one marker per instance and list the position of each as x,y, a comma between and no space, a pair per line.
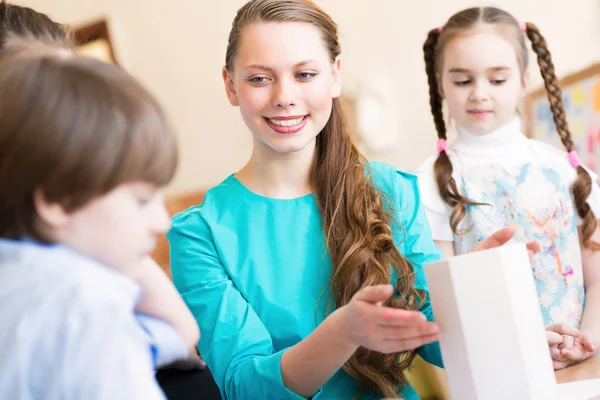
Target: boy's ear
52,215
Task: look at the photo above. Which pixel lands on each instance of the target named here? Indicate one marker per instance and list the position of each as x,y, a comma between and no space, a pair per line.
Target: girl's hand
365,322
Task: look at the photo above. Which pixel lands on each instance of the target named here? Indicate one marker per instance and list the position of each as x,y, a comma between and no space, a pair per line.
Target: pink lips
286,130
480,113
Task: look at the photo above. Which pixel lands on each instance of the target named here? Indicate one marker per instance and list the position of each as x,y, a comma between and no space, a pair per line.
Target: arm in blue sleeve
419,249
235,344
166,344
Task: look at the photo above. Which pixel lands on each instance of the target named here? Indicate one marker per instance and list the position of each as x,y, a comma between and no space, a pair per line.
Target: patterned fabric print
537,199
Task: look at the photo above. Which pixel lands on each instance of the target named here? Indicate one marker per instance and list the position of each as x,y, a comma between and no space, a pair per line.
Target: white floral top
524,182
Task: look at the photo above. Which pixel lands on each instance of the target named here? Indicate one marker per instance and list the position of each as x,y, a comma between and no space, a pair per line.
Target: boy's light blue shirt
69,329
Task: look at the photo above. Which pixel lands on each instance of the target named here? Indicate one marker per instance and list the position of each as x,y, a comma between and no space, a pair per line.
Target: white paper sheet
492,331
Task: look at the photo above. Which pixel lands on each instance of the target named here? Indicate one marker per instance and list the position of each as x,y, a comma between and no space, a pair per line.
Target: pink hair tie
442,146
441,28
574,159
523,26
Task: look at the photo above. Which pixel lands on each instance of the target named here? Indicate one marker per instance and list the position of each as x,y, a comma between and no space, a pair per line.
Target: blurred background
177,49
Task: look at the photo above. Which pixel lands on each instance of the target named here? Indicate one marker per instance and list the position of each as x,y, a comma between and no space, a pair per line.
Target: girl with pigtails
493,176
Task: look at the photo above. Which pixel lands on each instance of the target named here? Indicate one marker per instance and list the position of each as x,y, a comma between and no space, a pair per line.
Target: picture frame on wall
94,40
581,100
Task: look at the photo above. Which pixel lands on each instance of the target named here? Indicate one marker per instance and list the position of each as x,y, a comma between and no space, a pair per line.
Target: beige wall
177,47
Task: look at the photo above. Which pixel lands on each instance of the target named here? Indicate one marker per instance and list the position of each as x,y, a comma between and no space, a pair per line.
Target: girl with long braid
493,176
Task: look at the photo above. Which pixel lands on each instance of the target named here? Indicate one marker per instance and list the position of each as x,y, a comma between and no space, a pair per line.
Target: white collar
501,140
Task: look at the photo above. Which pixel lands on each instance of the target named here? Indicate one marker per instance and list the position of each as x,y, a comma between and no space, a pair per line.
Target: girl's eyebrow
466,71
265,68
